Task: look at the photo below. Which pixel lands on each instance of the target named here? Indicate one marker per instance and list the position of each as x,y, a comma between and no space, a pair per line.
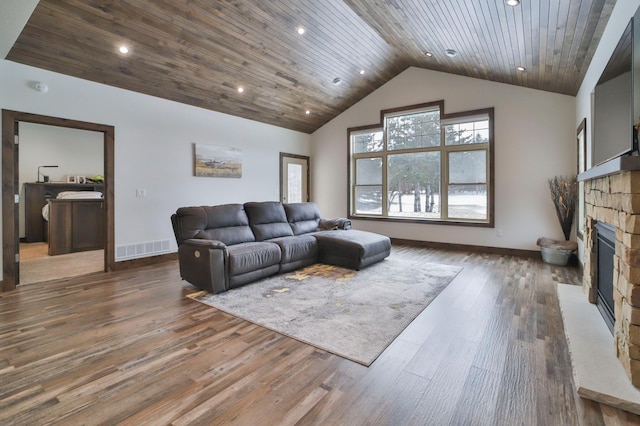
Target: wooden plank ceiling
199,52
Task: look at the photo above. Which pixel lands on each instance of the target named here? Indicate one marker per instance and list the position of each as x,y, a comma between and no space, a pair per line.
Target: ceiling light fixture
240,89
429,54
307,112
300,30
124,49
451,53
513,2
337,81
362,72
521,68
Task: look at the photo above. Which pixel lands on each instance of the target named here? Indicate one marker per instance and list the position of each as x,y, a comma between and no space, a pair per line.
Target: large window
423,165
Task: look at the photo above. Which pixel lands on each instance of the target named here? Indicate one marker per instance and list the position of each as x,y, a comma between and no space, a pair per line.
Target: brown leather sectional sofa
226,246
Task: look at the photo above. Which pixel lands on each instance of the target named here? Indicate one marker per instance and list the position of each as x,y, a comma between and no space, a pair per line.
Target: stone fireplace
615,200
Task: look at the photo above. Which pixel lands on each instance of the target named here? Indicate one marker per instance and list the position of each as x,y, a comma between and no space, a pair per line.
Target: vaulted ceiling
199,52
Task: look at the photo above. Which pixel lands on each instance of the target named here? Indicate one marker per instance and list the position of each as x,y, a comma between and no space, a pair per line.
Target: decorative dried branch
564,193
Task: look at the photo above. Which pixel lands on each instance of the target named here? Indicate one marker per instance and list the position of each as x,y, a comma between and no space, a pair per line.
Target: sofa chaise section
352,249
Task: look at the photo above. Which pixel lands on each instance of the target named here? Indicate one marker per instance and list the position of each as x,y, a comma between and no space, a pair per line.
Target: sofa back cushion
303,217
227,223
268,220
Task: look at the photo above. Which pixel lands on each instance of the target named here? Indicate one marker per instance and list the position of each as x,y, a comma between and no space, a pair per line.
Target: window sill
451,222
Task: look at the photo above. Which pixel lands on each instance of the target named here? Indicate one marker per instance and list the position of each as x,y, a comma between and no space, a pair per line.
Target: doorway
57,164
294,178
11,190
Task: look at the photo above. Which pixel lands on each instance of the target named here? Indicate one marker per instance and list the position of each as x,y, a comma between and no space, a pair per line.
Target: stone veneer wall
615,199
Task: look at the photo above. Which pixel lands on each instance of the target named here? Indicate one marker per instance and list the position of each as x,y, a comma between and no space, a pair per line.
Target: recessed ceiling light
300,30
513,2
240,89
451,53
307,112
429,54
124,49
362,72
521,68
337,81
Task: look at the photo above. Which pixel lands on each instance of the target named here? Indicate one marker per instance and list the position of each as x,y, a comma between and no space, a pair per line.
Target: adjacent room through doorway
58,162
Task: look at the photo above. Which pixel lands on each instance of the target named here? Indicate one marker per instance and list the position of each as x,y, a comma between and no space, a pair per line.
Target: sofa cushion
253,256
303,217
242,279
297,248
227,223
268,220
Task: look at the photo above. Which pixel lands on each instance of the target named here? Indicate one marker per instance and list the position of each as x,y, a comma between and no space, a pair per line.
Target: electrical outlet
141,193
499,232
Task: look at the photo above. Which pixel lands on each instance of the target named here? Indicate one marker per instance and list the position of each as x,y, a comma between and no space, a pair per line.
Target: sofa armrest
204,264
205,244
336,223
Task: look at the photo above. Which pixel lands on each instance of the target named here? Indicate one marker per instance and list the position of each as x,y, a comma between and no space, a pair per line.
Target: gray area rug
353,314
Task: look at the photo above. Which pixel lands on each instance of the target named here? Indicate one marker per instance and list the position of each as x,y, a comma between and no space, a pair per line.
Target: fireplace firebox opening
605,249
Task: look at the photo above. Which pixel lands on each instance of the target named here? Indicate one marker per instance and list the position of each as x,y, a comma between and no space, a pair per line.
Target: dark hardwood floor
128,348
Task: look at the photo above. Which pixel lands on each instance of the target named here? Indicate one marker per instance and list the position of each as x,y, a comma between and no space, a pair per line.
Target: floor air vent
133,251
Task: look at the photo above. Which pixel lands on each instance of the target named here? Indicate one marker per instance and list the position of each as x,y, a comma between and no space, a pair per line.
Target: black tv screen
613,121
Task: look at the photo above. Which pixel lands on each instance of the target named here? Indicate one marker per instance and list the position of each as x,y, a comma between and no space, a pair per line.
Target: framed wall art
217,161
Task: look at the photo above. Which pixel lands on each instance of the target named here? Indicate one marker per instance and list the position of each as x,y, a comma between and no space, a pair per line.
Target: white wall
535,136
153,147
622,12
75,152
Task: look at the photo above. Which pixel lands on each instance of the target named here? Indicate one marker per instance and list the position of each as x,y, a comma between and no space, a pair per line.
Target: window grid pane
466,167
413,185
367,142
467,133
417,130
369,171
294,183
467,202
368,200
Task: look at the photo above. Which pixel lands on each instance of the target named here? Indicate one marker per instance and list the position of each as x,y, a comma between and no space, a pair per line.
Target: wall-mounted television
613,115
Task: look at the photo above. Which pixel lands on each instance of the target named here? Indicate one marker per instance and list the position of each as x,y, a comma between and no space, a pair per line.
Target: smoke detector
39,86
